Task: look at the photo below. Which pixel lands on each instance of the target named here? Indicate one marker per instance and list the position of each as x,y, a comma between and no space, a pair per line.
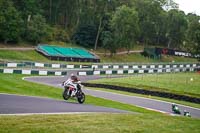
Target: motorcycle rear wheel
81,97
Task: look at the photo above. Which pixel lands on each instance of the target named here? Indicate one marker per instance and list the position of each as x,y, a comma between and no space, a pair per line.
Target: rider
75,80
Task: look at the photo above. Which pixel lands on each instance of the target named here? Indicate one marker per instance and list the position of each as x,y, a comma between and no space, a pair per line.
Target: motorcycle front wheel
81,97
66,94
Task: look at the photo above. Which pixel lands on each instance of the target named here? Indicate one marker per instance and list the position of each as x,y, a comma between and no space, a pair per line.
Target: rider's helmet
74,78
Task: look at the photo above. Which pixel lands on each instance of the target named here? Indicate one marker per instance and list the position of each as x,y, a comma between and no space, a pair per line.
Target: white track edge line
56,113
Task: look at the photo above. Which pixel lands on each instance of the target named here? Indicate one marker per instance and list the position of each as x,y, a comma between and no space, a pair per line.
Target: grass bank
28,55
179,83
32,55
136,57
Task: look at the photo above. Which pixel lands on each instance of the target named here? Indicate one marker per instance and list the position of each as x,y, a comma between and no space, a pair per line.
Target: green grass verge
139,58
126,58
179,83
98,123
29,55
32,55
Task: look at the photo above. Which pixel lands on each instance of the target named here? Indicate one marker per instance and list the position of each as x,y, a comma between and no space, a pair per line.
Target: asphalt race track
14,104
157,105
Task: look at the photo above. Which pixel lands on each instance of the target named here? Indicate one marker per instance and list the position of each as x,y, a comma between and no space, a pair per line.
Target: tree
27,7
151,16
10,22
192,30
93,12
108,43
167,4
125,26
195,39
197,46
85,35
37,29
176,24
101,10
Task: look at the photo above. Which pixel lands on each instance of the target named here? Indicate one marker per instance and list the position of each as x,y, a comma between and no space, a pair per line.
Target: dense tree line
111,24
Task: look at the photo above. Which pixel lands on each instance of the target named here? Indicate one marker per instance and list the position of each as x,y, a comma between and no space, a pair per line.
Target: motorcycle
186,113
73,90
175,109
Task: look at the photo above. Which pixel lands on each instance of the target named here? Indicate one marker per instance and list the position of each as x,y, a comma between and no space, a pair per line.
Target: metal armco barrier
100,66
103,69
33,72
145,69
